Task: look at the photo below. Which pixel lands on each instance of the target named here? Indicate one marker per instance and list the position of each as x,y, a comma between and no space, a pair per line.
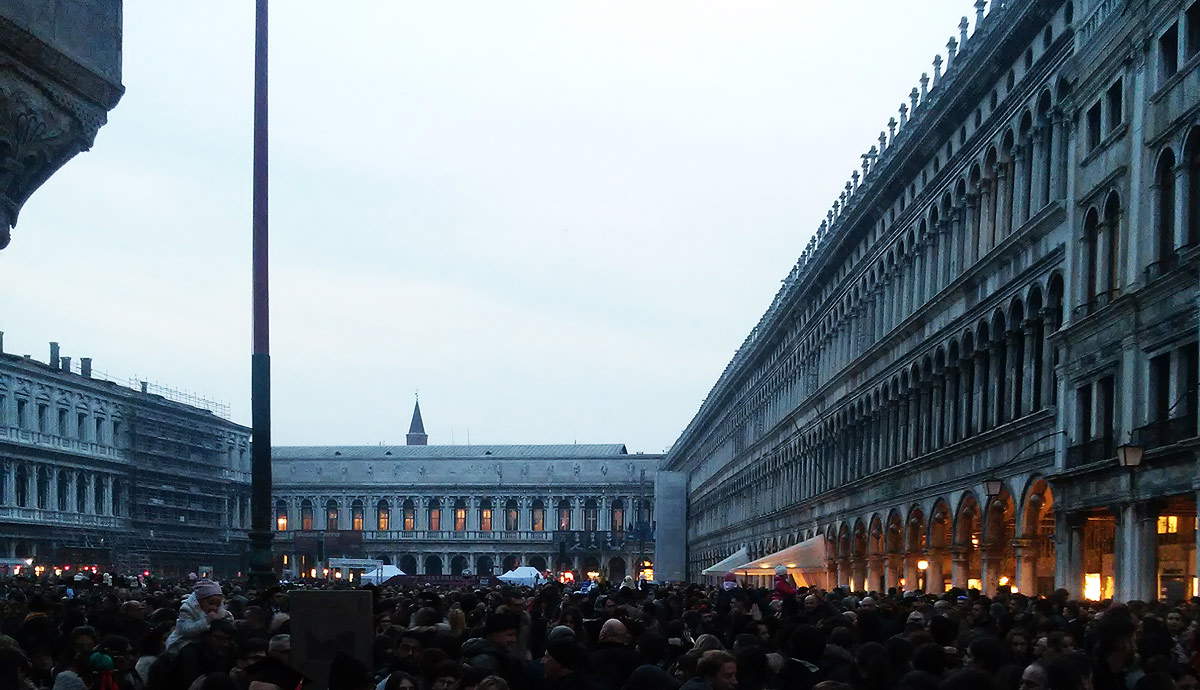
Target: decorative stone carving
41,128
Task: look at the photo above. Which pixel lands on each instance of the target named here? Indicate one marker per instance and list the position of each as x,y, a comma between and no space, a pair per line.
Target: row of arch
487,516
998,370
951,540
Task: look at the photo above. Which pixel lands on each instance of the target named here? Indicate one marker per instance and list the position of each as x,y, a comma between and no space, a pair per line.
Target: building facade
60,74
93,472
999,307
477,509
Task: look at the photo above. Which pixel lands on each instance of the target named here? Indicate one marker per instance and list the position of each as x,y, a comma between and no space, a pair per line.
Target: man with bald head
613,660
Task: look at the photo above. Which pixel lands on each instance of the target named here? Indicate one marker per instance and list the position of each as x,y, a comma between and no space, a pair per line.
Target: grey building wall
1005,292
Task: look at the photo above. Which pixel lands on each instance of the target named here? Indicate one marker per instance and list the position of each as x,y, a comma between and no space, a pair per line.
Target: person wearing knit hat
204,605
563,660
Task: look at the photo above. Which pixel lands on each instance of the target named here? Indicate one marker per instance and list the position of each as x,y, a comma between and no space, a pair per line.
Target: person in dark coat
613,660
566,668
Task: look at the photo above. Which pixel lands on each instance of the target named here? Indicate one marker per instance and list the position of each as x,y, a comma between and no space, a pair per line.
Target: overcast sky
556,219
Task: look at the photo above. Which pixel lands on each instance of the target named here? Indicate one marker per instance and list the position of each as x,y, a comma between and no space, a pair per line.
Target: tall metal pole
261,572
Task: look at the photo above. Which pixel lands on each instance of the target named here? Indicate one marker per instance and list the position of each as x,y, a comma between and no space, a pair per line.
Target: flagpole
261,572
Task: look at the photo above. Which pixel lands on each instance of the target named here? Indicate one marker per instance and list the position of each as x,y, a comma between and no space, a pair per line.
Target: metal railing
1091,451
1166,431
56,517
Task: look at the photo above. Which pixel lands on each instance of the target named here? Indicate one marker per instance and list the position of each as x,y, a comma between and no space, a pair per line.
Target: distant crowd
198,634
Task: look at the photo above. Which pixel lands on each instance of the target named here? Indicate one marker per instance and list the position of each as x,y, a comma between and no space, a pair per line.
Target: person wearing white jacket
204,605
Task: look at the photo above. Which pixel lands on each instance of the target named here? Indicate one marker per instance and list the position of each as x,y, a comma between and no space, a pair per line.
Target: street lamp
1129,455
993,486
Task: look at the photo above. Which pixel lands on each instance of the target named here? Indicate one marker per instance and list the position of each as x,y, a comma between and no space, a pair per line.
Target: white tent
525,575
727,564
805,562
380,575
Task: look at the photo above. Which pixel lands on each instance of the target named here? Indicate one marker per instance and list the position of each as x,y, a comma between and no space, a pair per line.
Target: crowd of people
204,635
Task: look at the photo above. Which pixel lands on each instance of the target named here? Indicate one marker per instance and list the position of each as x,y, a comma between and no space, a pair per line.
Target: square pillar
960,566
1026,565
1137,552
1068,564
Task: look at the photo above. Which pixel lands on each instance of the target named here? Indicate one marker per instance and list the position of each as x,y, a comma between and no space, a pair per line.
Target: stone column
934,263
893,564
966,398
952,423
1182,197
972,231
1103,275
1014,374
937,418
1068,564
1137,552
980,414
1026,565
108,495
1020,211
1004,203
89,494
858,574
1047,382
1058,157
72,490
874,576
1030,367
989,560
952,229
996,381
960,564
421,506
1037,193
910,572
904,434
31,494
934,578
52,490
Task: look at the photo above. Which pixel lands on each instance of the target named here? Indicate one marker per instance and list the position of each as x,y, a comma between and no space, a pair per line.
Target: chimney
66,364
145,386
1,342
85,367
54,363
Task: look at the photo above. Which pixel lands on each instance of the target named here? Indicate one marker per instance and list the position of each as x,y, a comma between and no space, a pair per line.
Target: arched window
410,515
485,515
331,515
1191,185
356,515
460,516
80,493
64,492
1112,227
538,516
590,515
383,515
511,515
281,517
564,515
435,515
306,514
1091,234
618,516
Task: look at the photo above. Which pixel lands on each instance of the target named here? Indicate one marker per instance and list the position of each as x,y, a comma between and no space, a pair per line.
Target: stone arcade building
1002,295
93,472
483,509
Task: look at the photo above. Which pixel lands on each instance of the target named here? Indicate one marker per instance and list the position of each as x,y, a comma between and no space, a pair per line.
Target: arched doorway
537,562
408,565
457,565
511,563
484,566
996,555
433,565
384,559
591,564
616,569
966,566
1035,554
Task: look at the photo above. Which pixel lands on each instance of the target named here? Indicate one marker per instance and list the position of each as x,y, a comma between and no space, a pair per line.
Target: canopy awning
727,564
805,558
